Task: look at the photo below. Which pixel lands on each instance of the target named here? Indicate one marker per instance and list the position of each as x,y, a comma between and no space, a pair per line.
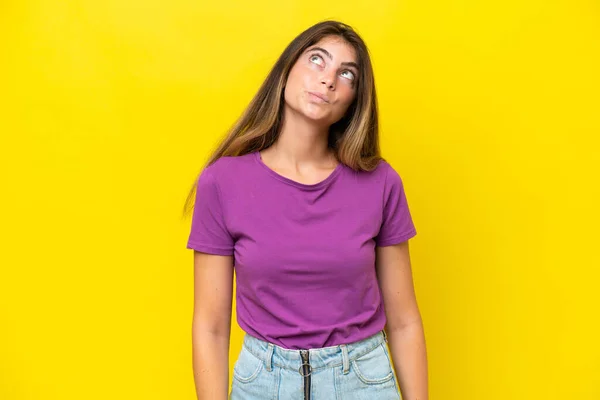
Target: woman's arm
213,287
404,327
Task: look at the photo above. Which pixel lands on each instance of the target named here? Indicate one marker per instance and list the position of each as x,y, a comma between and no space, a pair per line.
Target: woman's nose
328,81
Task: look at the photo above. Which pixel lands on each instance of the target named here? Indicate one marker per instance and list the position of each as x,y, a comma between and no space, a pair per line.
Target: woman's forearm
409,356
210,363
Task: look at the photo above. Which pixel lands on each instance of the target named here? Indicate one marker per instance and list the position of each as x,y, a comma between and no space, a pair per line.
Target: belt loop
270,349
345,360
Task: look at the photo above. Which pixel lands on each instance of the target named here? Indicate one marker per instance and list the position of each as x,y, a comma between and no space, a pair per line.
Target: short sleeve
397,225
209,232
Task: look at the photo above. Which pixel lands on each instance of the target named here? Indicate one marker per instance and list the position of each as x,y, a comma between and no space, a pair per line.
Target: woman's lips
319,98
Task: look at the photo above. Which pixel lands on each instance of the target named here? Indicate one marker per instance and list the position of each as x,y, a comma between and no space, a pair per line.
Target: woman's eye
316,59
350,74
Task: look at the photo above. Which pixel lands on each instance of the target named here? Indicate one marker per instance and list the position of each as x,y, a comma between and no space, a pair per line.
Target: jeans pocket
374,367
247,367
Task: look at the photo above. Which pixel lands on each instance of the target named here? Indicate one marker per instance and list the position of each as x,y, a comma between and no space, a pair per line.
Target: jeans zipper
305,371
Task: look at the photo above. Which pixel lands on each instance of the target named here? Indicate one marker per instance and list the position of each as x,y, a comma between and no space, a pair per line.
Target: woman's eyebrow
328,54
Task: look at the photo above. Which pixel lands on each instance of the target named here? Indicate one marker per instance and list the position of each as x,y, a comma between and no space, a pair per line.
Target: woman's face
322,83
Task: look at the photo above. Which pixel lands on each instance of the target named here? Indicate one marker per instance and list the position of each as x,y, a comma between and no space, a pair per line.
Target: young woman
299,200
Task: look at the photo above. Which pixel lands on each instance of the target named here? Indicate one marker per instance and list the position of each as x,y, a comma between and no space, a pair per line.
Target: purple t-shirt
304,255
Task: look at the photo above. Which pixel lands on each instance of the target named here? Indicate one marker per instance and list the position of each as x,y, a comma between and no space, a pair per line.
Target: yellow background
489,111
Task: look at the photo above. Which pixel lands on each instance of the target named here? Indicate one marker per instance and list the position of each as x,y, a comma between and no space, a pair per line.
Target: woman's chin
318,119
315,115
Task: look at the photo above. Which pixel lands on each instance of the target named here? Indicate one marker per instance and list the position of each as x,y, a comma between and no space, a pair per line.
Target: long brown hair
354,138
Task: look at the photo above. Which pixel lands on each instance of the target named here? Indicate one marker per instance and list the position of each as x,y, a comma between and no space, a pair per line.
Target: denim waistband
320,358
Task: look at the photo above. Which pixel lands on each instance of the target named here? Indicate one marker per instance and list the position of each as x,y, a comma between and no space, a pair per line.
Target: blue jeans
356,371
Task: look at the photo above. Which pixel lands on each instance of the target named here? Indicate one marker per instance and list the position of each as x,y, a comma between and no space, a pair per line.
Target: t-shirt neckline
297,184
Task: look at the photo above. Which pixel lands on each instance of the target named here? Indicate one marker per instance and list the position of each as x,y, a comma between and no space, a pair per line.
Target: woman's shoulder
224,173
382,171
383,178
226,166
